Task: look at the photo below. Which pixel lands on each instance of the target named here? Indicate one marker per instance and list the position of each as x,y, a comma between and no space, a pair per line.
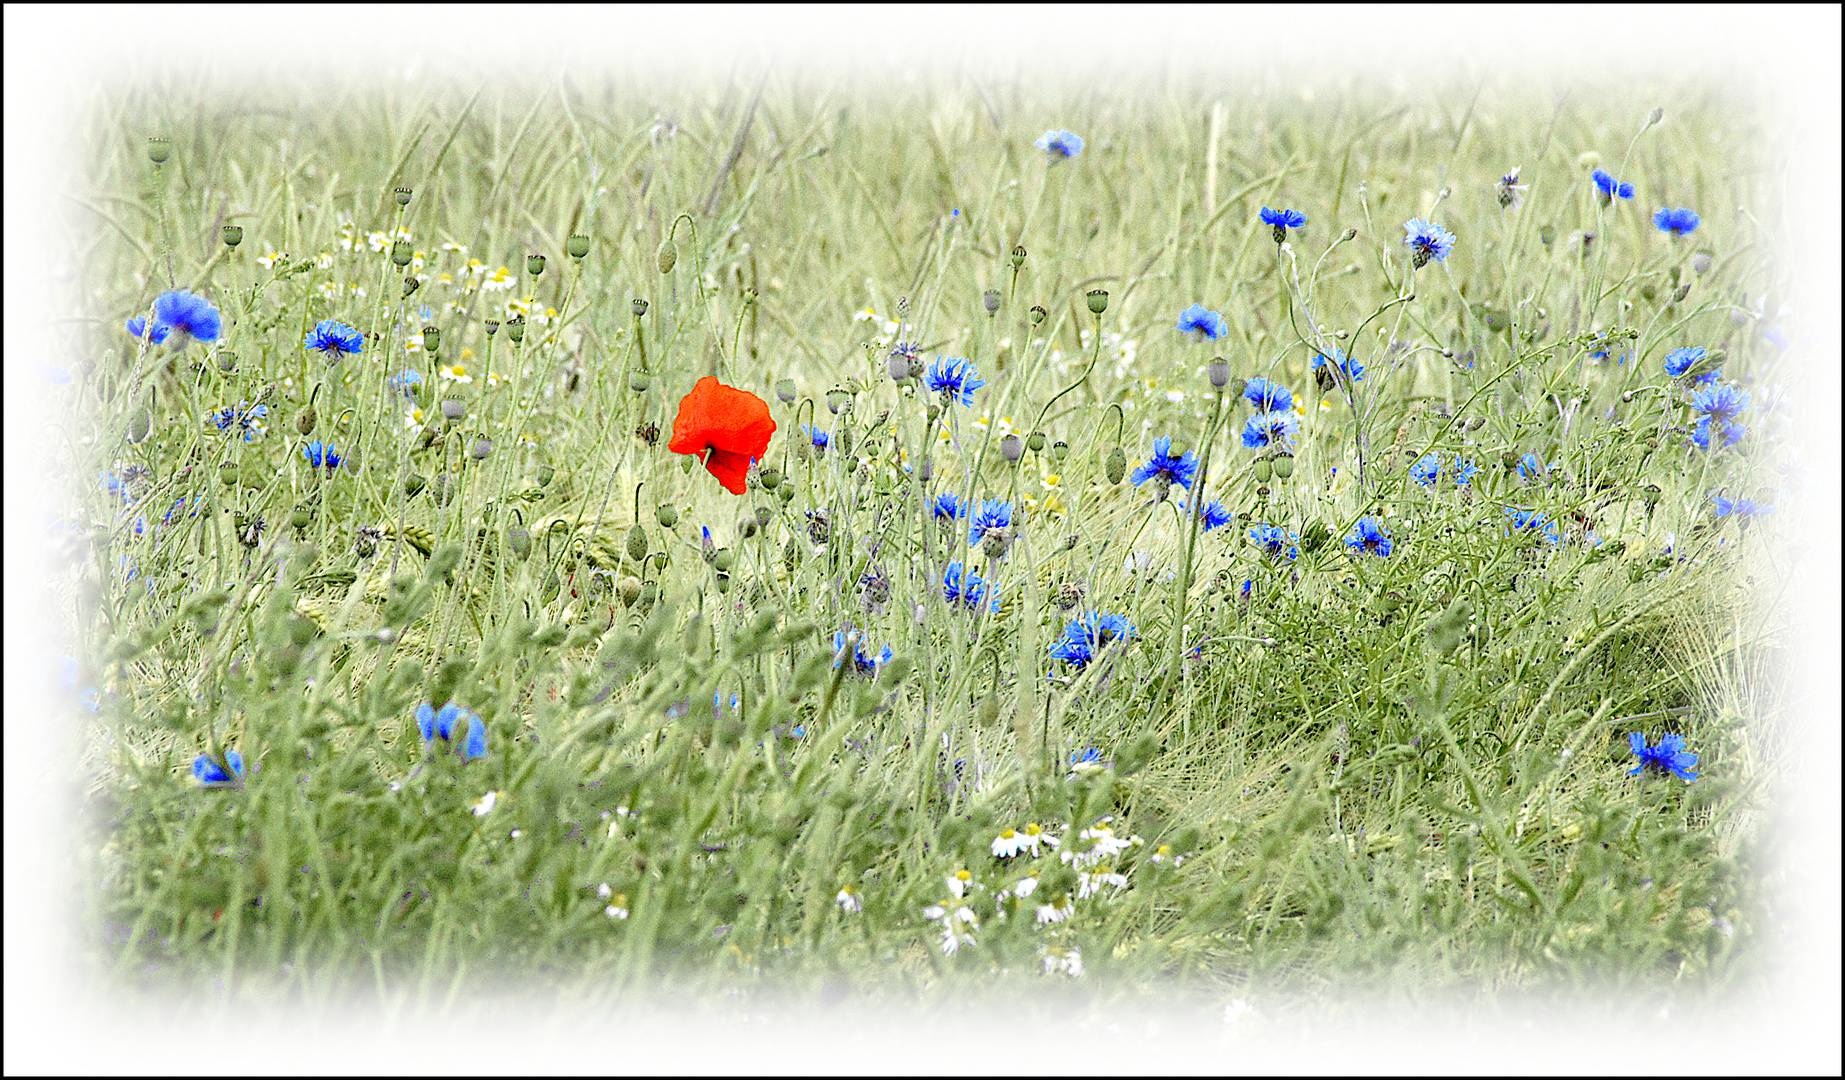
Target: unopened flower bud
158,149
232,234
1349,234
545,475
667,257
577,246
925,469
1117,465
519,539
1700,263
414,484
899,367
995,542
402,195
637,543
535,265
305,420
1658,114
1098,301
402,253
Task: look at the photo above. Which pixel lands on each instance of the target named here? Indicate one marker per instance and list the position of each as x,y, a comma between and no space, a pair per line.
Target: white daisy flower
958,883
1057,911
485,804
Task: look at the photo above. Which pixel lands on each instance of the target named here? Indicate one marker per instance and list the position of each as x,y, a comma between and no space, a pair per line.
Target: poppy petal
729,468
733,425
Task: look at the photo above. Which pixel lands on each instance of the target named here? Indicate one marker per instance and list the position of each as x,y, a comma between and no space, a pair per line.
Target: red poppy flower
727,425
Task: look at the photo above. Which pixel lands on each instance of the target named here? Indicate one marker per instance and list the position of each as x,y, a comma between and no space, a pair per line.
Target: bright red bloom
733,425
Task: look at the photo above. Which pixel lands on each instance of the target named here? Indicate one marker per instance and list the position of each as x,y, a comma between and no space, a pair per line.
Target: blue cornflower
1060,144
1214,515
213,773
1091,756
1463,471
1426,240
1268,396
1425,471
1084,636
1668,757
1269,429
1742,508
819,436
137,327
993,514
1168,467
1200,322
334,339
1610,187
1369,535
445,725
188,314
1680,362
1531,519
406,382
1282,221
321,455
1720,406
247,418
954,378
1275,541
963,586
949,507
1347,369
863,663
1676,222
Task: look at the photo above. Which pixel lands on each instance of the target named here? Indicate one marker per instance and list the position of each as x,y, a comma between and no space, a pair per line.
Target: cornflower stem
1194,512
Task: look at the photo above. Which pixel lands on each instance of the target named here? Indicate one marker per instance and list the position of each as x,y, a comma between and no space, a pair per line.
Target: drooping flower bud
637,543
667,257
1117,465
305,420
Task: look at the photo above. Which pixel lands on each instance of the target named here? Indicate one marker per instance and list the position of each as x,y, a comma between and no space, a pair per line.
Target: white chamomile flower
1007,844
959,882
1088,885
1025,887
455,372
1033,838
1066,961
603,892
485,804
618,907
848,901
498,280
1057,910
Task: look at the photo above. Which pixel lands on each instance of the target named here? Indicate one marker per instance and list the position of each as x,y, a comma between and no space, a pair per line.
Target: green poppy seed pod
987,712
306,419
414,484
1038,314
402,195
299,518
660,559
552,586
454,410
1018,256
534,265
402,253
667,257
481,447
838,400
519,539
411,284
1035,442
1098,301
1219,372
140,424
723,559
1013,447
1262,470
784,391
442,489
1116,467
637,543
227,473
763,516
666,515
639,307
232,234
991,299
516,329
432,339
629,589
158,150
639,381
1262,491
546,474
1060,450
770,477
1284,466
577,246
786,494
